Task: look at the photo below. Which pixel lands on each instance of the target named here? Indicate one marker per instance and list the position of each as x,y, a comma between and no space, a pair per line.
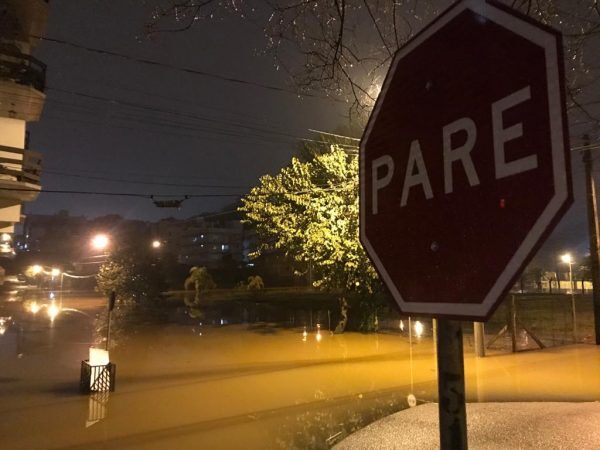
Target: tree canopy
133,272
309,211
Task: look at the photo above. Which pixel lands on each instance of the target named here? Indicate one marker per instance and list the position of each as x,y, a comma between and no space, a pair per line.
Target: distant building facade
204,241
65,239
211,241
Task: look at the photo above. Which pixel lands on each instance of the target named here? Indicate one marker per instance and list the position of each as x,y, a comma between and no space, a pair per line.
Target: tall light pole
568,259
592,216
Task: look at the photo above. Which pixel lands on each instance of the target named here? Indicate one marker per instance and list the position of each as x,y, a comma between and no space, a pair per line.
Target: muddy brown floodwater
183,384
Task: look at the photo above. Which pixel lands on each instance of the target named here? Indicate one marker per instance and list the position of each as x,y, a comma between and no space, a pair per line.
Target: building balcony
22,84
23,20
20,173
21,68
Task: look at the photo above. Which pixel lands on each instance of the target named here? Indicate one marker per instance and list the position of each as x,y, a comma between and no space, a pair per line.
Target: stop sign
464,165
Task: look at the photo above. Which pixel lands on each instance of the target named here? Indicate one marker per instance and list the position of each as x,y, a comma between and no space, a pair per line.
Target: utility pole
592,211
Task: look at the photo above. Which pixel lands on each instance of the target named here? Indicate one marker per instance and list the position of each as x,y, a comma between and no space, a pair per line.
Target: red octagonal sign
464,164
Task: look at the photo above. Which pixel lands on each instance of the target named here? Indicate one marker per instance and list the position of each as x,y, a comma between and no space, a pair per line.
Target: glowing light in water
53,311
419,328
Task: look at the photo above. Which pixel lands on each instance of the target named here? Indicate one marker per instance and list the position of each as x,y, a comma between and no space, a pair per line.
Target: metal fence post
479,338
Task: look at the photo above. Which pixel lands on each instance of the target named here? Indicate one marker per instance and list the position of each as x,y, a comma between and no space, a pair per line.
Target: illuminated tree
309,211
134,273
255,282
200,280
342,48
137,276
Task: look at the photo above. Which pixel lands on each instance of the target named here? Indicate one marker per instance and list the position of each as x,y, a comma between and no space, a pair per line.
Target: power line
153,109
184,196
282,137
333,134
184,69
149,183
137,174
165,133
254,119
118,194
253,131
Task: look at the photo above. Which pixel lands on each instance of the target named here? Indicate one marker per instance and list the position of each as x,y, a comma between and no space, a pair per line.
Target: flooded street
241,385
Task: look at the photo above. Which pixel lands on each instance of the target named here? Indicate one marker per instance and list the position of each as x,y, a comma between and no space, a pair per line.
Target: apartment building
22,84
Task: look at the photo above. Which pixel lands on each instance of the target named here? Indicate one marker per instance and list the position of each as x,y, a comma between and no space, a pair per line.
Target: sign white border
548,42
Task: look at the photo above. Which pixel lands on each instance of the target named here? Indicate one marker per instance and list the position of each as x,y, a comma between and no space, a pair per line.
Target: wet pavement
491,426
184,384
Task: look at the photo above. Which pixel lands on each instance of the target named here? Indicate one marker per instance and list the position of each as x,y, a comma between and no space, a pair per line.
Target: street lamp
36,269
55,272
156,244
100,242
568,259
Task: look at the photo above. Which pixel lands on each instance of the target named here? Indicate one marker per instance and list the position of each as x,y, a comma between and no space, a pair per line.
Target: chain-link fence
527,321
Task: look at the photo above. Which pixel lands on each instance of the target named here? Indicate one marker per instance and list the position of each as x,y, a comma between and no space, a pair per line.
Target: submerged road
245,386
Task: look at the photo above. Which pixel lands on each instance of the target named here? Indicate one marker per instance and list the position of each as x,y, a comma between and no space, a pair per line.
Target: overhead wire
137,174
195,103
188,70
252,130
161,195
281,136
150,183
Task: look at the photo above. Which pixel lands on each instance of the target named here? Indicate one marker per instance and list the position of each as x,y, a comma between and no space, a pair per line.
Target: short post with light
98,374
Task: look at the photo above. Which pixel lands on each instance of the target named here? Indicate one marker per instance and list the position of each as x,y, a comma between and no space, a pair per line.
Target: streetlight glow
36,269
53,311
100,242
55,272
156,243
567,258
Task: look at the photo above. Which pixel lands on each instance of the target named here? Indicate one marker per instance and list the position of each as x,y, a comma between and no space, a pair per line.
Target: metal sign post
451,385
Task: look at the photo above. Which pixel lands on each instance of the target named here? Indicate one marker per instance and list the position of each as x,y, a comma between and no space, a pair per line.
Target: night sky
219,145
211,140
